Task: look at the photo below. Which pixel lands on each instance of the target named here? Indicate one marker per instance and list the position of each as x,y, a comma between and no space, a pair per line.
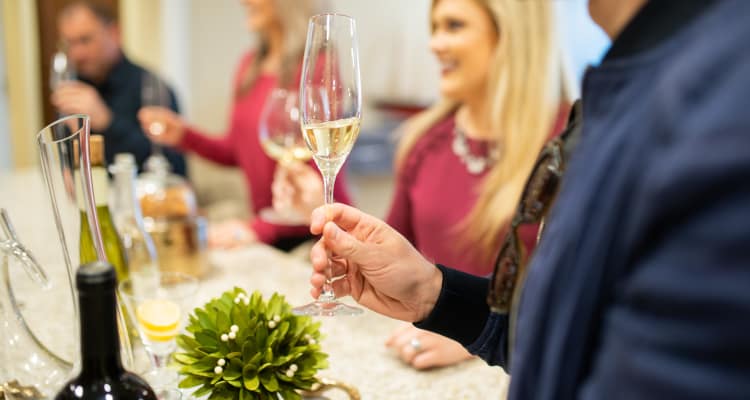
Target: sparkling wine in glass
279,136
330,113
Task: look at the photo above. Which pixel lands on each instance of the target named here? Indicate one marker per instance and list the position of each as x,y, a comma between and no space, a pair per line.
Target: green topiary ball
241,347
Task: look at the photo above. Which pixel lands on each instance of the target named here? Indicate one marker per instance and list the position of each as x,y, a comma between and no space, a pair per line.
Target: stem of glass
159,361
327,294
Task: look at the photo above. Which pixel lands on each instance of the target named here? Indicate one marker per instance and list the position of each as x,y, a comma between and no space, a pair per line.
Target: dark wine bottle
102,375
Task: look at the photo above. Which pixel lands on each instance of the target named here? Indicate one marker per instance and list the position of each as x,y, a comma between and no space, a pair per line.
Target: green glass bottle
112,244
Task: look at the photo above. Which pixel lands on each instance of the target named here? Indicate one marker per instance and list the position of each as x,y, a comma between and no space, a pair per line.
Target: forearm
218,150
461,313
461,309
269,233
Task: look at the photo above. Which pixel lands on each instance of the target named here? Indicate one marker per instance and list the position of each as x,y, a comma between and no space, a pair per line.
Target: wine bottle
112,244
102,375
140,251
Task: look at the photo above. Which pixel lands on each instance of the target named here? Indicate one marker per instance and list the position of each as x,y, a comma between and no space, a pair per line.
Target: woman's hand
230,234
378,267
424,349
298,187
162,125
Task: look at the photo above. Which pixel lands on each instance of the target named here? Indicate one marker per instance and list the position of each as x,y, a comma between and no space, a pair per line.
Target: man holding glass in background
109,85
639,286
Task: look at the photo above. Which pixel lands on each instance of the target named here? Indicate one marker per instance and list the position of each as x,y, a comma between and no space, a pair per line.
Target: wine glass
154,92
279,136
159,315
330,113
61,69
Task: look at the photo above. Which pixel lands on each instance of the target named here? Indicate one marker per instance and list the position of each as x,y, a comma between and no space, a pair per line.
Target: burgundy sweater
240,147
435,192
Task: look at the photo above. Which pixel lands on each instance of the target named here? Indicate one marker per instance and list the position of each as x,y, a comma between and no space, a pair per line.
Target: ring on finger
415,344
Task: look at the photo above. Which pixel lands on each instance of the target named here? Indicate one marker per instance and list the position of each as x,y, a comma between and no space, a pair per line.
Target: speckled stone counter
355,344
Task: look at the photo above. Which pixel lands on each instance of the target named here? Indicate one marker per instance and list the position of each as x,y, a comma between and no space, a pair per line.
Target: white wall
5,153
394,57
217,39
584,42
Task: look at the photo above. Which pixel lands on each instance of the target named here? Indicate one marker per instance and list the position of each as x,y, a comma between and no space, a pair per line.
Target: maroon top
435,192
241,147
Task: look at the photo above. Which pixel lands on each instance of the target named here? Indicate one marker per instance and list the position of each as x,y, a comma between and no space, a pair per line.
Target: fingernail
333,231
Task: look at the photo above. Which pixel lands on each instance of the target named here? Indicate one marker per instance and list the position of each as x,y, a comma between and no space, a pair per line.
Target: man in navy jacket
640,286
108,88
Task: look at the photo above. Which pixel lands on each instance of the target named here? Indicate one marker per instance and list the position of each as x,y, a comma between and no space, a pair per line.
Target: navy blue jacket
640,286
121,91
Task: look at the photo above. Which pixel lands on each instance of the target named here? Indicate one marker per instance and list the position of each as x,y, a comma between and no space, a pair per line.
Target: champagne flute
330,113
279,136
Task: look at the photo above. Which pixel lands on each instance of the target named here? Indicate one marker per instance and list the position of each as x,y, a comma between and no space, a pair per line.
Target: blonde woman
281,29
461,164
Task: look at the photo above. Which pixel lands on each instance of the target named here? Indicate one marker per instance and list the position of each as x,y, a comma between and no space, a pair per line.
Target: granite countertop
355,344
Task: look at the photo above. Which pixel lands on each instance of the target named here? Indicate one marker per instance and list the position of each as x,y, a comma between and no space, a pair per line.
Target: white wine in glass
330,115
331,142
278,132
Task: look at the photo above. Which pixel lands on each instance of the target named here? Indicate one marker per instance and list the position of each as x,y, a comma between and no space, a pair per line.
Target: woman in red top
281,27
461,164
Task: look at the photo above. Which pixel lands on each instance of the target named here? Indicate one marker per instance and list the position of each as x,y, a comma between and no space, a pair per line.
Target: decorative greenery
243,348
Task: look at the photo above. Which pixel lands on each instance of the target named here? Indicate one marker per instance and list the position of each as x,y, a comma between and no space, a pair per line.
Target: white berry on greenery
256,349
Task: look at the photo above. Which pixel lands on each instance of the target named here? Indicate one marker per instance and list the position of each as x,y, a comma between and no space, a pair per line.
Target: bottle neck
100,185
100,339
125,197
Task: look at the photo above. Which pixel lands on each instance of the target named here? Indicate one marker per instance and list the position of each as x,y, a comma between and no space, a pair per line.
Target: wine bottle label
100,182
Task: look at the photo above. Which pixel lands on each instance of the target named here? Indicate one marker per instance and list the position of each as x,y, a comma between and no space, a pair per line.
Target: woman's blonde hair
293,16
526,86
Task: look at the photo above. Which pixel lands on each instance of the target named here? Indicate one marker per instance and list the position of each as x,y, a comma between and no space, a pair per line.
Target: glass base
288,219
163,378
327,309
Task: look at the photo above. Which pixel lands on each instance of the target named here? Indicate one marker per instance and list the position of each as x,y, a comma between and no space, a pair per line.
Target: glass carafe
29,368
66,167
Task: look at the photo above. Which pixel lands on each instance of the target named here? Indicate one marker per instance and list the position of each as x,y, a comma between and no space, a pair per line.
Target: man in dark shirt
639,288
109,85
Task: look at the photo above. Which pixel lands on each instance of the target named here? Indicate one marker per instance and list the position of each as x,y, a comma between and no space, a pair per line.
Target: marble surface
355,344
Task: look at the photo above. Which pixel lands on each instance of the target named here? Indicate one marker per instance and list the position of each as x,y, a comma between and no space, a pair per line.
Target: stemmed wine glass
330,113
154,92
279,136
159,315
61,70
